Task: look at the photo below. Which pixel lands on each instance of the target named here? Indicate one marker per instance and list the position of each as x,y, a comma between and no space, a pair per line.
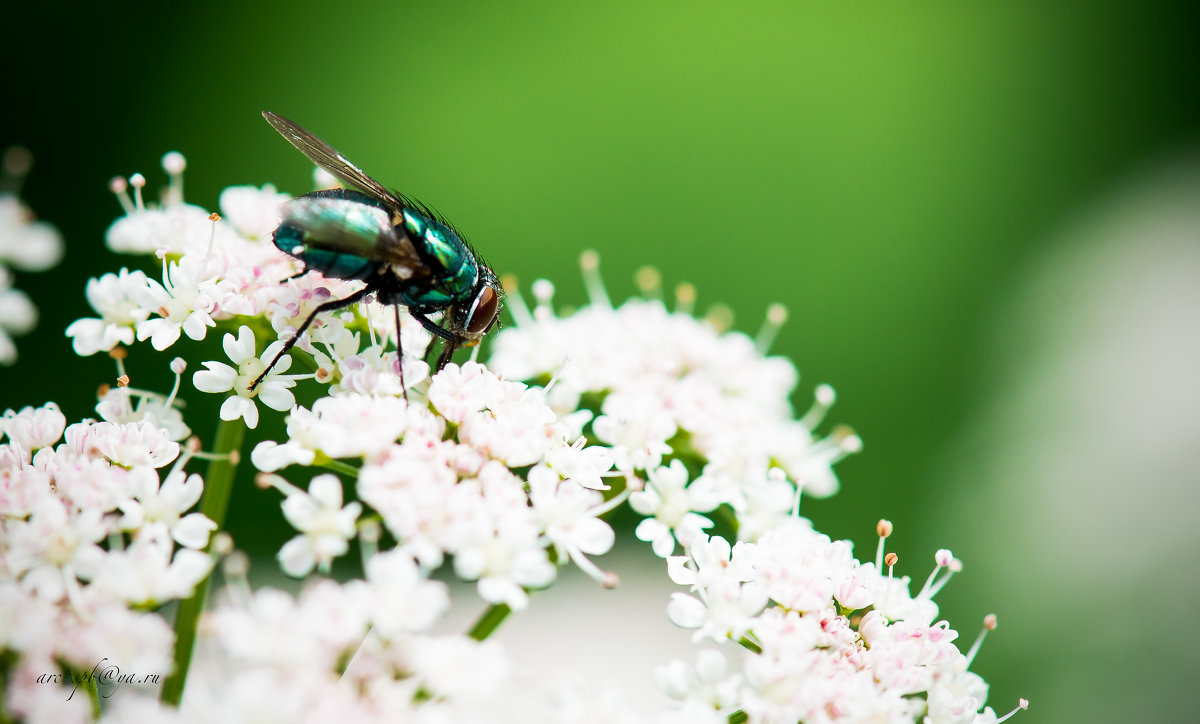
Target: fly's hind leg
326,307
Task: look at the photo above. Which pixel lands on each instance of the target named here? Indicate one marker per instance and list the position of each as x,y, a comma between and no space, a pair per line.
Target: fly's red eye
483,311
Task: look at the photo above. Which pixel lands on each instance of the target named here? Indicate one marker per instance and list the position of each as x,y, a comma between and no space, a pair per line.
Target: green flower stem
739,717
749,645
218,484
338,466
93,691
489,621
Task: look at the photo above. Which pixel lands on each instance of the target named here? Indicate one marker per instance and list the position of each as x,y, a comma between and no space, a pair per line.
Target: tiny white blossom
274,390
185,301
114,297
325,526
156,513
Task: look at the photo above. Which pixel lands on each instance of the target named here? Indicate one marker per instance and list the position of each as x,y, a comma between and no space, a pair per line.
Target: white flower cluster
363,651
705,418
25,244
501,473
702,416
92,533
827,638
486,473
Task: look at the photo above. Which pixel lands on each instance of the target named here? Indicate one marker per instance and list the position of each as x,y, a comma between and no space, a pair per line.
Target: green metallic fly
408,255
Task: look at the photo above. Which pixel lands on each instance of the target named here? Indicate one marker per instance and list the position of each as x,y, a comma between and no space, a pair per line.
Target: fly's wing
390,248
328,158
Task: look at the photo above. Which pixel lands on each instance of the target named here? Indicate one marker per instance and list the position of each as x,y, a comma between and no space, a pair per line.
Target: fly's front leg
450,340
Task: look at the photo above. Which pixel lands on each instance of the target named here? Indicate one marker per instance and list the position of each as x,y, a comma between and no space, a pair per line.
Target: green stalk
93,690
749,645
337,466
218,484
489,621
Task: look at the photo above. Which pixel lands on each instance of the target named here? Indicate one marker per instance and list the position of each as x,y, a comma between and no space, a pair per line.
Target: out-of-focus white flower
253,211
147,574
403,601
25,244
706,685
325,525
18,315
53,547
155,513
274,390
114,297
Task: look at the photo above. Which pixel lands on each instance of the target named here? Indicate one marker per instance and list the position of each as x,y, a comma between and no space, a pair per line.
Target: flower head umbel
498,474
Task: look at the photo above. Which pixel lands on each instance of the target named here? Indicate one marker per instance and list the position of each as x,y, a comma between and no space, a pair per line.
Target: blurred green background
887,171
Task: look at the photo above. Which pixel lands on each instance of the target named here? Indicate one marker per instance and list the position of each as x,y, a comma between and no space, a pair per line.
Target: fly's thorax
453,270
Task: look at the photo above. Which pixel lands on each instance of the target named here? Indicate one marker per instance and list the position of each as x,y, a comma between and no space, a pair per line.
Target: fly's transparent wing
330,159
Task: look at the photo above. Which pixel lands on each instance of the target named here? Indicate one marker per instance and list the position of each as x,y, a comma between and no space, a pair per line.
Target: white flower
128,445
25,243
114,297
274,390
49,550
672,502
706,685
147,574
17,316
185,300
505,553
567,514
580,464
34,428
403,600
118,405
155,513
254,212
325,526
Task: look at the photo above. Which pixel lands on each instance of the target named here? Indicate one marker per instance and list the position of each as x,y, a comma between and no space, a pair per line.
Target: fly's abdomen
336,232
340,265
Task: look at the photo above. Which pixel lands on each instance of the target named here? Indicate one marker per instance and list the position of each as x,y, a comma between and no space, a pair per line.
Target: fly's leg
448,349
450,340
400,353
326,307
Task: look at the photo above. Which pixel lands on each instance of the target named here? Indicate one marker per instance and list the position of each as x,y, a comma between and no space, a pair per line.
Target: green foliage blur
884,170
